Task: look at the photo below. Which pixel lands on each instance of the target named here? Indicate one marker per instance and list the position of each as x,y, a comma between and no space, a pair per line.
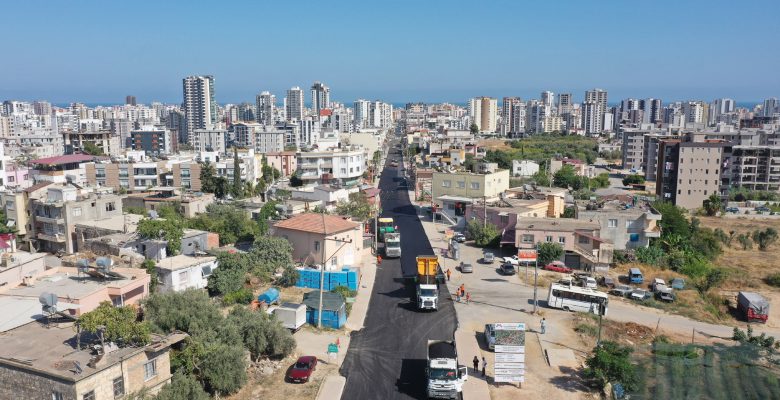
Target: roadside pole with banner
509,365
530,256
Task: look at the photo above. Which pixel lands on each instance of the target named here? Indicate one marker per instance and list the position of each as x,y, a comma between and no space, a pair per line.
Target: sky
396,51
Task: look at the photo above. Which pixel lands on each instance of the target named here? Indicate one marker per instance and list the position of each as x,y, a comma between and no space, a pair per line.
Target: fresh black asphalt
386,359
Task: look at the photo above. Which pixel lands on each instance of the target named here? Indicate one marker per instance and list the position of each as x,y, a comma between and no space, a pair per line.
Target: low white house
524,168
329,196
182,272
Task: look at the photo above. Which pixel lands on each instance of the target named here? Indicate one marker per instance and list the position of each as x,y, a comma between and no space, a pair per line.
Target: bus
574,298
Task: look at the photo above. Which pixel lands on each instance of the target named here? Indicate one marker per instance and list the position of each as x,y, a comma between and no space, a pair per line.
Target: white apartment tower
200,107
320,97
483,112
266,103
548,98
362,110
593,109
294,104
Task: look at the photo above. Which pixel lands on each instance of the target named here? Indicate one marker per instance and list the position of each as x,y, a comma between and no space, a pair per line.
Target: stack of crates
310,278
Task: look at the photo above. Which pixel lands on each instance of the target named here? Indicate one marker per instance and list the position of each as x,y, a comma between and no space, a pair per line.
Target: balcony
51,218
53,237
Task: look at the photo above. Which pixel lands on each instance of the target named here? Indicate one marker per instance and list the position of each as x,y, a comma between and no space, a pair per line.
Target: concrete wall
17,383
13,276
469,185
304,247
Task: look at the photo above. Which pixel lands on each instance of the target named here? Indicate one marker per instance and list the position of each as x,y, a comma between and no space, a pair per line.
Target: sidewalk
333,385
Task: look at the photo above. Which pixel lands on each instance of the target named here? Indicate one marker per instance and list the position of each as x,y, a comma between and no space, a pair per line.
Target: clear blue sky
100,51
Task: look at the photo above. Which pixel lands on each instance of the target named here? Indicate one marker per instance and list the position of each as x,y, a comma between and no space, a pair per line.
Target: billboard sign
526,255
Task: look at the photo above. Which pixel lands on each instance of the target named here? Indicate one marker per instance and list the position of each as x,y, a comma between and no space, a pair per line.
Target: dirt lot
494,144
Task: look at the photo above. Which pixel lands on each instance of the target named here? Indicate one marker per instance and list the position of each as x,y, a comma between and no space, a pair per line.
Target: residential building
268,140
594,108
689,172
294,104
137,176
244,134
626,224
200,106
771,107
449,188
154,142
16,204
483,112
61,169
109,143
753,168
208,140
513,115
182,272
18,267
524,168
190,203
38,362
186,175
581,168
56,215
583,247
345,166
323,239
266,105
328,196
320,97
286,162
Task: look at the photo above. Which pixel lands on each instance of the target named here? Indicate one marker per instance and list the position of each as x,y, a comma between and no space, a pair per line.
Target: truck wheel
460,396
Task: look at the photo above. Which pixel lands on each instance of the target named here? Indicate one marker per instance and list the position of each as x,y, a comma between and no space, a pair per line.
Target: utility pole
484,212
325,261
536,275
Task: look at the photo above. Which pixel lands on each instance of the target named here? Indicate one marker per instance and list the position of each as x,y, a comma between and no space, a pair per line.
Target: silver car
466,268
488,258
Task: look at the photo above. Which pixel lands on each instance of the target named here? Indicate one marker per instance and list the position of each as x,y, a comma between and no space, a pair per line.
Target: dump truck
392,245
753,306
385,225
427,283
445,376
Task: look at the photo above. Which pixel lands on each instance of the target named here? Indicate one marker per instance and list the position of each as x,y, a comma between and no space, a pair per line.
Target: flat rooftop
554,224
66,283
116,223
183,261
52,351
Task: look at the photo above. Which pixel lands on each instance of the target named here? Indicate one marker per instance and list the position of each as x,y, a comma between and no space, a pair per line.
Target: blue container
269,296
330,319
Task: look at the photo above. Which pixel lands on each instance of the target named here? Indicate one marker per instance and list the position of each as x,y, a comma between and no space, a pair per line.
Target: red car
557,267
300,372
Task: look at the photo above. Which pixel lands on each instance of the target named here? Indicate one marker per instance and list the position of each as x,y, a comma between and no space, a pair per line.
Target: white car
490,336
588,282
511,260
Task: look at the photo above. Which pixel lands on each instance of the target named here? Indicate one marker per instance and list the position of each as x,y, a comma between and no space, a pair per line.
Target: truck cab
445,376
427,297
392,245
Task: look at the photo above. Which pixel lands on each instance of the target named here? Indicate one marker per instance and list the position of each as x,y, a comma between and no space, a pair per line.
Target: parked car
763,209
488,258
567,281
678,283
640,295
557,266
301,371
607,282
621,290
490,336
511,260
459,237
732,209
466,268
507,269
659,285
666,296
588,282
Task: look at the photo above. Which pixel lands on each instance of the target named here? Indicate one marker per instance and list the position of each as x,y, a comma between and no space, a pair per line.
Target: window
461,184
316,245
474,185
612,223
583,240
548,239
504,219
150,370
110,206
446,184
55,395
562,239
528,238
184,276
89,395
119,387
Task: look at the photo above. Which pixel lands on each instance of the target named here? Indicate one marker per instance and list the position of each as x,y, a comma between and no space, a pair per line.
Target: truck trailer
445,376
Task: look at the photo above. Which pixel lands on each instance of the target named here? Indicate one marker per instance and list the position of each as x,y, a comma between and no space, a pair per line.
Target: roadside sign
333,348
509,378
510,358
526,255
509,326
510,349
509,366
501,371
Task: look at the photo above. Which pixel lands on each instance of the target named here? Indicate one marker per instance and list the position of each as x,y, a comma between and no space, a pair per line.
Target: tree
765,238
223,368
502,158
600,181
289,277
92,149
744,241
221,187
228,221
261,334
295,180
470,162
358,207
473,128
548,252
610,363
271,254
231,274
115,324
182,387
712,204
633,179
151,268
483,234
190,311
569,212
567,177
4,228
541,178
207,176
162,229
237,189
673,221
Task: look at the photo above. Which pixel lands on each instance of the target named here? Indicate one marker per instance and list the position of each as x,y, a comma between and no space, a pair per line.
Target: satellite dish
82,263
48,299
153,214
10,223
104,262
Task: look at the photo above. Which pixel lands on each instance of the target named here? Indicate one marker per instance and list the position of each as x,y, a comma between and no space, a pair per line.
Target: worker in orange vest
378,260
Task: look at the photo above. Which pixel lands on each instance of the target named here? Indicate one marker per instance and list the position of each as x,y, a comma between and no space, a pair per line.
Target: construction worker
462,289
468,297
448,274
378,259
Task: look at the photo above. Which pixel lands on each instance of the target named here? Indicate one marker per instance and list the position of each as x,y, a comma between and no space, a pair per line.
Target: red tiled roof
317,223
66,159
326,112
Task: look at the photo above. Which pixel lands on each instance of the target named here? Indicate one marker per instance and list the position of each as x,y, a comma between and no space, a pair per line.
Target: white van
490,336
588,282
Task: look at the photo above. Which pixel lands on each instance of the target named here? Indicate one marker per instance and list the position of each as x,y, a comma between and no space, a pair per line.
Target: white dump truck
445,376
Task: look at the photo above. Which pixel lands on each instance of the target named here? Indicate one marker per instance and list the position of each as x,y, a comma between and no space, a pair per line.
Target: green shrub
773,279
240,296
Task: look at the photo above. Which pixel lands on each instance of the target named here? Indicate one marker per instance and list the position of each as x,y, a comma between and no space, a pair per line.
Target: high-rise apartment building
483,112
130,100
652,110
565,109
771,107
361,113
693,111
294,104
548,98
265,103
200,107
512,116
593,109
320,97
689,172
